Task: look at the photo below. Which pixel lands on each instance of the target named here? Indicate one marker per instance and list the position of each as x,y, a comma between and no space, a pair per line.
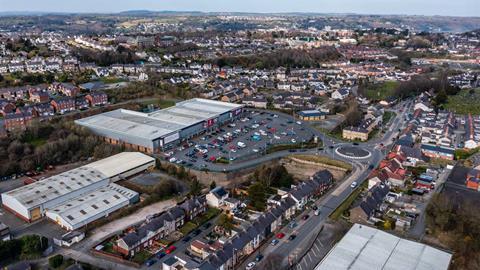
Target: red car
280,235
170,249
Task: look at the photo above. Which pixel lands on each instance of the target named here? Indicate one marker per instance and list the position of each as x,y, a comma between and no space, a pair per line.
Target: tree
55,261
225,221
273,261
258,196
195,187
441,98
213,185
33,245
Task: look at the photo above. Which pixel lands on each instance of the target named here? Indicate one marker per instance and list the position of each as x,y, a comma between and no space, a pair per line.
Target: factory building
366,248
79,196
162,129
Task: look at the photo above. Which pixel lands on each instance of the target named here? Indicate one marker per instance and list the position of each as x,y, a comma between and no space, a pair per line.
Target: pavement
309,229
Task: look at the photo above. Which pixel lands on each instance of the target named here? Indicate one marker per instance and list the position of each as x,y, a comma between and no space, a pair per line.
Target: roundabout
353,152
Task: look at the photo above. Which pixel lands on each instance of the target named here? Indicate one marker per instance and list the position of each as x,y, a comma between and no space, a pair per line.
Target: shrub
55,261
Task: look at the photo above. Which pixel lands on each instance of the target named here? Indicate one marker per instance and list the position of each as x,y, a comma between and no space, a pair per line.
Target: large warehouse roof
159,123
366,248
55,186
76,179
80,210
120,163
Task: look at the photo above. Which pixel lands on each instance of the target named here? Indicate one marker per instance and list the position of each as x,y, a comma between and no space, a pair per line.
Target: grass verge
347,202
324,160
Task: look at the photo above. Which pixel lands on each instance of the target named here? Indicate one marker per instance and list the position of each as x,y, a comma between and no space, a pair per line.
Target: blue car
150,262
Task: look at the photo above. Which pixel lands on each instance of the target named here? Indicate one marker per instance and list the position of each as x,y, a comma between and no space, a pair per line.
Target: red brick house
67,89
6,107
39,96
17,121
97,98
63,105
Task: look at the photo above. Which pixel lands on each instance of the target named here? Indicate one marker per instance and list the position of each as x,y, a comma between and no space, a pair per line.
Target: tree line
457,221
50,143
294,58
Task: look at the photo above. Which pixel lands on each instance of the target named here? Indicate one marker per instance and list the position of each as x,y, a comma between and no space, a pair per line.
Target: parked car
161,255
150,262
292,225
317,212
305,217
250,266
280,235
259,257
354,185
274,242
170,249
291,237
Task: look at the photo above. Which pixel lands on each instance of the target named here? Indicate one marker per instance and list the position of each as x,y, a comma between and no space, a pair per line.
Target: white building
216,197
366,248
59,194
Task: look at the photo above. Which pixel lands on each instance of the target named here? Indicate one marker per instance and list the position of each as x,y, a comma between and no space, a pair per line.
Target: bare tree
273,262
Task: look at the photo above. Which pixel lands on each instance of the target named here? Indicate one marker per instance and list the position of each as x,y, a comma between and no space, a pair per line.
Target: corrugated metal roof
159,123
366,248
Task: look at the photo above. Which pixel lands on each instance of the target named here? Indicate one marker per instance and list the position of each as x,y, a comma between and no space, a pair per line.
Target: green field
464,102
382,90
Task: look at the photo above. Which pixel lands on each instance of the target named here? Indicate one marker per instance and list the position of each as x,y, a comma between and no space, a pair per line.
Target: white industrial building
366,248
162,129
79,196
82,210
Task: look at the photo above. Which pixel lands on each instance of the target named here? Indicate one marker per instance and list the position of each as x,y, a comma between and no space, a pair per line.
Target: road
307,230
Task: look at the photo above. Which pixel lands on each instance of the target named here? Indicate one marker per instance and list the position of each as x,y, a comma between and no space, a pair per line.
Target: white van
241,145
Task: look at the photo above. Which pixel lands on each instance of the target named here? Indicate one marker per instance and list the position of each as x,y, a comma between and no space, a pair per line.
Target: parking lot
246,138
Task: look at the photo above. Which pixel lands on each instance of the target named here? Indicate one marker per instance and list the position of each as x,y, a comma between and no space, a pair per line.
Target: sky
410,7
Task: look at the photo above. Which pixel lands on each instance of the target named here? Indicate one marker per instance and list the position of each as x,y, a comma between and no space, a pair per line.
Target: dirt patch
302,170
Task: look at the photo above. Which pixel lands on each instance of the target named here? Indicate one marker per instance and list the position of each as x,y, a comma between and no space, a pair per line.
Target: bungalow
216,197
311,115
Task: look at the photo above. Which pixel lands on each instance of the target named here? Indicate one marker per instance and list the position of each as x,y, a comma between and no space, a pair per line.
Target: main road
307,230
